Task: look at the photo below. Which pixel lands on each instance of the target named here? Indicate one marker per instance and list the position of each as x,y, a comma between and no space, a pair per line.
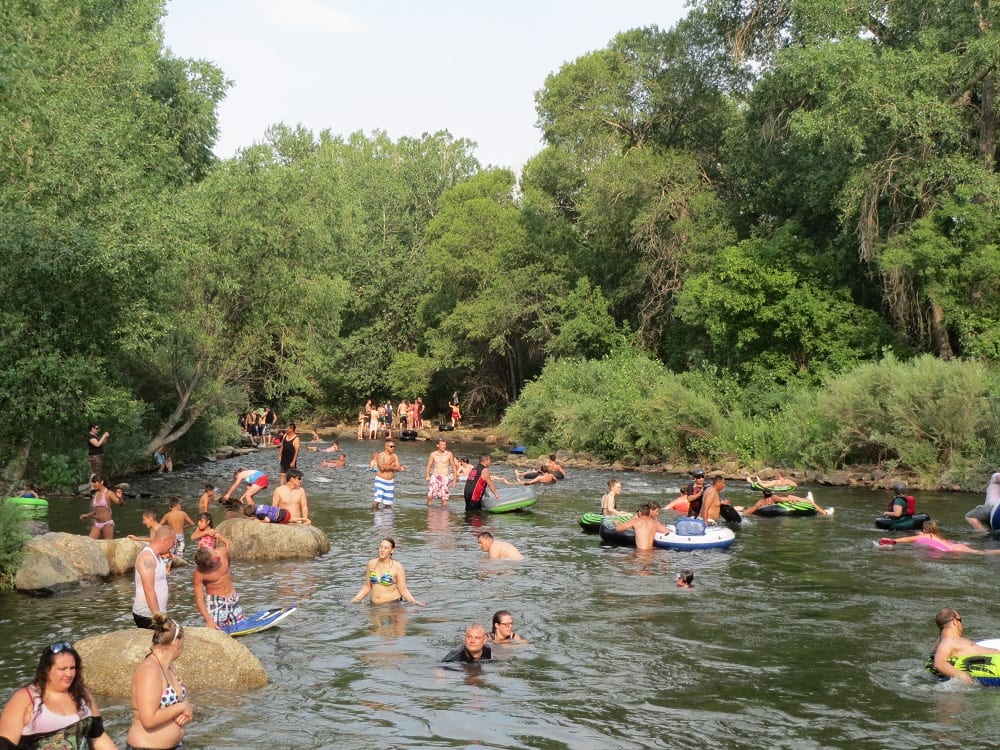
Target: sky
407,68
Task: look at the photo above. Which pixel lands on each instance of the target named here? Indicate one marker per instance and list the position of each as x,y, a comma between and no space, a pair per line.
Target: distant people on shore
163,460
780,481
95,448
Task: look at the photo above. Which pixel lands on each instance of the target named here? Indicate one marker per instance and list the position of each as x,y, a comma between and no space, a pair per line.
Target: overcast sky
471,68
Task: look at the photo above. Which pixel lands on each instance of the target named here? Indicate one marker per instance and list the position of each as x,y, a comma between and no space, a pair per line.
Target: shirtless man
644,525
541,477
387,466
291,497
779,481
214,593
554,468
441,473
769,498
496,549
712,500
950,644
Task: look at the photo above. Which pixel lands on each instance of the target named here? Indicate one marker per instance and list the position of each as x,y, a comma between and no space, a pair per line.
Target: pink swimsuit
935,544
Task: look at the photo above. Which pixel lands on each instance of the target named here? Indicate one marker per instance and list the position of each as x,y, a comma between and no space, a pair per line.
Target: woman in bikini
385,579
160,708
56,710
100,499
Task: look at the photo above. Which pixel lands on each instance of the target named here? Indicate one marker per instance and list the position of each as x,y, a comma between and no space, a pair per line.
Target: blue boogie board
260,621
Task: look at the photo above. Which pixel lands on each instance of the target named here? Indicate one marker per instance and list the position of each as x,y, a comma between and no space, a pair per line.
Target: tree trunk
987,122
167,434
940,332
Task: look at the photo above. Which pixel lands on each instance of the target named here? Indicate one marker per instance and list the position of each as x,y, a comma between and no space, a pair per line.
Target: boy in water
207,497
177,520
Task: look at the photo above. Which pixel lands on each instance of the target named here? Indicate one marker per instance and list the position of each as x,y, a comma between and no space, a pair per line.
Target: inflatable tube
258,622
984,668
796,508
408,435
511,498
729,514
518,449
714,537
615,538
905,523
30,507
445,428
779,489
591,522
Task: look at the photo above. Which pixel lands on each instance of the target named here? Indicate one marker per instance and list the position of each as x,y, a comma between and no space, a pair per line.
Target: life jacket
911,504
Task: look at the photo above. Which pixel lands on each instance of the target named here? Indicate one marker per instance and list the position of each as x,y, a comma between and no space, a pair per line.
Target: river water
800,635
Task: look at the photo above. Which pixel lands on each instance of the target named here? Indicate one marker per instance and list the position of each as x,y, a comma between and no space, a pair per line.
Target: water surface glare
801,635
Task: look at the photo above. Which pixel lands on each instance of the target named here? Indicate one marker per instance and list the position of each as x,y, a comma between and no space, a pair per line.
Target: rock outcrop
254,540
211,660
57,561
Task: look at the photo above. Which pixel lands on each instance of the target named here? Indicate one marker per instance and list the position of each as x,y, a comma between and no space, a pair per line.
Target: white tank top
139,605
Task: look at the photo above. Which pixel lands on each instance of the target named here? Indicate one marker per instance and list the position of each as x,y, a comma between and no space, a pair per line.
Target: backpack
911,504
689,527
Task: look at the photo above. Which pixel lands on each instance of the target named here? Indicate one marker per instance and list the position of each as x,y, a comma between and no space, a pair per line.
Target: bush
12,540
623,405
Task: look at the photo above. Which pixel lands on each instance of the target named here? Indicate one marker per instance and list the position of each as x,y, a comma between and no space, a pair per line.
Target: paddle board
260,621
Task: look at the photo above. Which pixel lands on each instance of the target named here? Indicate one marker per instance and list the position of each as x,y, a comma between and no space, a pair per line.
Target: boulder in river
57,561
255,540
211,661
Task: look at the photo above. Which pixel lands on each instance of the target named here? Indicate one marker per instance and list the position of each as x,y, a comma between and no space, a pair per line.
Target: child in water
205,534
177,520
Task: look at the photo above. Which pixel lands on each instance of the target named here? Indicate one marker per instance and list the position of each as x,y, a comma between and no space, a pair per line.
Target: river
800,635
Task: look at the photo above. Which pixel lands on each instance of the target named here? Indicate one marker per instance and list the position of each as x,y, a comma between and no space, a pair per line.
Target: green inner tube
779,489
31,502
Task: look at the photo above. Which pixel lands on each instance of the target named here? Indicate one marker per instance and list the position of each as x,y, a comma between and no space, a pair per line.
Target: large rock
210,660
254,540
120,554
57,561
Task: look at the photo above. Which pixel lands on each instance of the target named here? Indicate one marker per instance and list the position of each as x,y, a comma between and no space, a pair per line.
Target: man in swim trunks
496,549
951,645
291,497
476,484
474,649
214,593
441,468
386,465
268,513
256,481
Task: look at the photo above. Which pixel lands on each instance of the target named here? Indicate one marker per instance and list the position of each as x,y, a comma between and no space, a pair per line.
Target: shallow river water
800,635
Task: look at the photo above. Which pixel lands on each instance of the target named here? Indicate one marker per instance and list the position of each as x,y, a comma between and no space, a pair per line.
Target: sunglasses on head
58,648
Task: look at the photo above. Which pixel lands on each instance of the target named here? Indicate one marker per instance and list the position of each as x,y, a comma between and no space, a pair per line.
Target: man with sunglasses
951,644
386,465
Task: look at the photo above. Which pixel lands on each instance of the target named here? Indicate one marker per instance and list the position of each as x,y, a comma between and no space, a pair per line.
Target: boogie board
260,621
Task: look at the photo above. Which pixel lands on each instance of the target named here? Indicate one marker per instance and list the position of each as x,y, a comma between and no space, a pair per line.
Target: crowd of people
376,421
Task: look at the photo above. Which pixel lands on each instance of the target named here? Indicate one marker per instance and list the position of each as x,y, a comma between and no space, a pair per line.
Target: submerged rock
57,561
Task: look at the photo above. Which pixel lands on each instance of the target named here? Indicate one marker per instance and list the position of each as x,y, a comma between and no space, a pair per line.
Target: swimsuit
178,548
206,541
225,610
935,544
439,486
272,513
384,491
385,580
258,478
48,729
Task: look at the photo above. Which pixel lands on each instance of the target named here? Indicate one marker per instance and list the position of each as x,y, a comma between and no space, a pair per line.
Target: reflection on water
801,635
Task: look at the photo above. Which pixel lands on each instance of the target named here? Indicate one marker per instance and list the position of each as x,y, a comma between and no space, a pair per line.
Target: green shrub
12,540
622,405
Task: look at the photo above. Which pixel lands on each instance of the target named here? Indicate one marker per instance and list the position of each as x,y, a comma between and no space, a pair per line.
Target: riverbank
491,436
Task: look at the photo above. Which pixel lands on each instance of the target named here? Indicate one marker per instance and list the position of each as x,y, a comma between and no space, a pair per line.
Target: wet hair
482,534
165,629
653,506
497,616
552,457
207,517
77,689
931,527
686,576
210,488
767,493
392,542
612,482
97,479
149,514
293,474
644,509
237,472
203,558
174,502
945,616
250,508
